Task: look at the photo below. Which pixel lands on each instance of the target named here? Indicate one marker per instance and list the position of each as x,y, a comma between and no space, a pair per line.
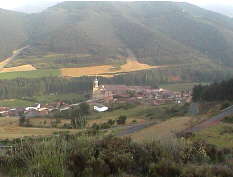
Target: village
105,95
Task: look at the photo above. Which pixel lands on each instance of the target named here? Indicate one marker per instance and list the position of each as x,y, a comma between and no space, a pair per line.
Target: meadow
43,99
178,87
16,103
31,74
220,134
9,127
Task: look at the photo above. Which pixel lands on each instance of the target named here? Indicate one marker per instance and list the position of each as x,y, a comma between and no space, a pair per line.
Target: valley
116,89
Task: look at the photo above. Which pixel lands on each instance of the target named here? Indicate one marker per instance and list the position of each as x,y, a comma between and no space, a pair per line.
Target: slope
13,30
97,33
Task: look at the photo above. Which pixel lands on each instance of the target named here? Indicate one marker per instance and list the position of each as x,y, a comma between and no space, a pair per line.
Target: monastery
108,91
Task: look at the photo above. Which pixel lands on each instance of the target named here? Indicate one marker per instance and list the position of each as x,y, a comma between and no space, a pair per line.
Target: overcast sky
11,4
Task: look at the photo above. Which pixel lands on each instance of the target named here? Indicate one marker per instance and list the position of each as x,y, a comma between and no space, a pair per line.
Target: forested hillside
158,33
13,31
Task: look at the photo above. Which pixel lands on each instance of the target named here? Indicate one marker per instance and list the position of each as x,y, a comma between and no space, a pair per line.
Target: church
108,91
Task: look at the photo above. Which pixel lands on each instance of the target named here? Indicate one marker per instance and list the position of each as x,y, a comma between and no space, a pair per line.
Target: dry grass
162,130
18,68
9,128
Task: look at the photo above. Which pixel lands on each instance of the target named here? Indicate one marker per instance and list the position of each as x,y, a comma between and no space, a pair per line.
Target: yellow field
162,130
105,70
18,68
9,128
85,71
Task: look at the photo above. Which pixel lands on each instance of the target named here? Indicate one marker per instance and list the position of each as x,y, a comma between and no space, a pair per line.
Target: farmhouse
108,91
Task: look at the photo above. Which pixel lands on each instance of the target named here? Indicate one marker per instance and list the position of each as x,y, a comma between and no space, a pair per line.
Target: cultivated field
18,68
86,71
10,129
30,74
107,70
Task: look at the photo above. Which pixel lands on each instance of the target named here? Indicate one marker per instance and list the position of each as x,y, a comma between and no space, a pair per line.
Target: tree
121,120
84,108
78,122
22,118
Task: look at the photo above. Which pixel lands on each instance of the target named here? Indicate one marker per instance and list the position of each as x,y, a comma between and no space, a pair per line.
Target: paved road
194,110
213,119
133,128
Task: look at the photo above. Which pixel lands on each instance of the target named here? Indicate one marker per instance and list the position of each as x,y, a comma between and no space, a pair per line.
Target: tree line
28,87
217,91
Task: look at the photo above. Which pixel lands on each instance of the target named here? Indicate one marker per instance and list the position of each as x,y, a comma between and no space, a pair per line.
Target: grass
161,130
215,135
72,97
180,86
16,103
9,127
31,74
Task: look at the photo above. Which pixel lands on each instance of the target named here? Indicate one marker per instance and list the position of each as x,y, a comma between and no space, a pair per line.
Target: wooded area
217,91
22,87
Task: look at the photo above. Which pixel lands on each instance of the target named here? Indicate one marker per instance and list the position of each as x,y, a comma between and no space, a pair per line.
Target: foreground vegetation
81,155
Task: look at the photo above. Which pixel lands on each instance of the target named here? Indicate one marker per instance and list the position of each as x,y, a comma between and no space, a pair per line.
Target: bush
225,105
121,120
164,168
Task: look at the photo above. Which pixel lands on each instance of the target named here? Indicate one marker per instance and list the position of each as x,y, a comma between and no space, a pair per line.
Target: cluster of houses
102,96
106,94
38,110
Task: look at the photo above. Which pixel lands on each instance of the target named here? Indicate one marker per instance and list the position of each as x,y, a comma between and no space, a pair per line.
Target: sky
11,4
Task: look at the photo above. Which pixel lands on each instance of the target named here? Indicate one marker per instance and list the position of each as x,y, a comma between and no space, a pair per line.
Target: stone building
108,91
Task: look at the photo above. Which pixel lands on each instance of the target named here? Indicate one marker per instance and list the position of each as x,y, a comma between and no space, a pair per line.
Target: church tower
95,85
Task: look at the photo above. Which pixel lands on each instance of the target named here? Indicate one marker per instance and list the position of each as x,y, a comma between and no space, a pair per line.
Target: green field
180,86
16,103
72,97
31,74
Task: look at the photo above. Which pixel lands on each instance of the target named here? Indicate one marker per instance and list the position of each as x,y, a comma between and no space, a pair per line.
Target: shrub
121,120
225,105
164,168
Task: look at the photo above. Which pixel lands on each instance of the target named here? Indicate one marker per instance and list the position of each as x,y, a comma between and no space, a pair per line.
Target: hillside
74,34
13,30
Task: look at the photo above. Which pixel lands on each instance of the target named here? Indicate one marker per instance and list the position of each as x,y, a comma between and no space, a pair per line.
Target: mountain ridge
159,33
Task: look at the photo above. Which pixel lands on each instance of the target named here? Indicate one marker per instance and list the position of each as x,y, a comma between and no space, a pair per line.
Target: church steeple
95,84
